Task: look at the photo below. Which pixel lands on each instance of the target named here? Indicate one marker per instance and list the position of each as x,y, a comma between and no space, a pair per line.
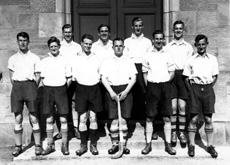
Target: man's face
67,34
86,45
54,48
137,28
201,46
118,48
104,34
23,43
158,41
178,31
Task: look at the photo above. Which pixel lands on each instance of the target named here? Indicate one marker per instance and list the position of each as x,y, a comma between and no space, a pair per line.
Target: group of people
82,80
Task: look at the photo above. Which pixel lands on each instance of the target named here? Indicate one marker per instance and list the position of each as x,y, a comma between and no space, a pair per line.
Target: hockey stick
121,142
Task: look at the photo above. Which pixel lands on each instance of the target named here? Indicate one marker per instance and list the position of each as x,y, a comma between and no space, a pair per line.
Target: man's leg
209,133
167,133
148,135
174,120
36,133
18,134
114,133
93,132
192,133
83,133
182,120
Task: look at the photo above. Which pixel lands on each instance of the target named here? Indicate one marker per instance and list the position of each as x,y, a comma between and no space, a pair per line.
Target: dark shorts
126,105
139,86
55,96
24,92
202,99
158,97
88,98
179,89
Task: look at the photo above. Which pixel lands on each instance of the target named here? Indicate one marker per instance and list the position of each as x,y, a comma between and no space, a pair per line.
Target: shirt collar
156,51
66,43
21,53
135,37
206,55
181,42
99,42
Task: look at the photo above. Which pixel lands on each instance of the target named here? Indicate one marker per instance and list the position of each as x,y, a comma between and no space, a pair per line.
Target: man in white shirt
180,51
69,49
25,77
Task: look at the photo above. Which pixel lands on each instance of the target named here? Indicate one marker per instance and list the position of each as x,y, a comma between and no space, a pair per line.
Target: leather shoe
191,151
147,149
17,151
93,149
76,133
113,150
169,149
126,151
83,149
65,149
183,138
173,137
58,136
212,151
38,150
155,136
49,149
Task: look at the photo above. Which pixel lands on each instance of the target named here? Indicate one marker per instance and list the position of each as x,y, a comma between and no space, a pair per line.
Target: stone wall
212,18
41,19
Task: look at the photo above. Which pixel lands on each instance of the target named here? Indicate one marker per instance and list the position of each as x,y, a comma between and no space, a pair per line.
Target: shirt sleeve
145,65
132,67
187,69
215,67
171,65
11,64
37,65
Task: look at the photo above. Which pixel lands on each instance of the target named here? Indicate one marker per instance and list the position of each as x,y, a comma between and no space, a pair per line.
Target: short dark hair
103,25
135,19
24,35
88,36
200,37
66,26
158,32
118,39
178,22
53,39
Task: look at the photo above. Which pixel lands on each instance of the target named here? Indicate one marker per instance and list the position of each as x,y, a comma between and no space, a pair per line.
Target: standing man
118,76
88,101
180,51
56,76
136,46
25,77
103,46
201,73
69,49
158,71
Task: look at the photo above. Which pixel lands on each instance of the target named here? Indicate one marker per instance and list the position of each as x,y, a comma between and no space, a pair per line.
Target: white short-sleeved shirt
55,70
157,64
201,69
180,51
118,70
137,47
85,69
68,50
101,50
24,66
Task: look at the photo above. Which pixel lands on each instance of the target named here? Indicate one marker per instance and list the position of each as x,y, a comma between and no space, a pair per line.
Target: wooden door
87,15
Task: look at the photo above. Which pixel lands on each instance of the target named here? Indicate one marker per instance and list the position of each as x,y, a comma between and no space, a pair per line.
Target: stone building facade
44,18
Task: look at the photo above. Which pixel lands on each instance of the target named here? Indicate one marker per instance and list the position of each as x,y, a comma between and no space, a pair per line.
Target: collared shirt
101,50
180,51
201,69
68,50
24,66
85,69
137,47
118,70
158,64
55,70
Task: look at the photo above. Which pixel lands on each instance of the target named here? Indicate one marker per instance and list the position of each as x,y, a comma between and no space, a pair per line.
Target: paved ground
157,157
